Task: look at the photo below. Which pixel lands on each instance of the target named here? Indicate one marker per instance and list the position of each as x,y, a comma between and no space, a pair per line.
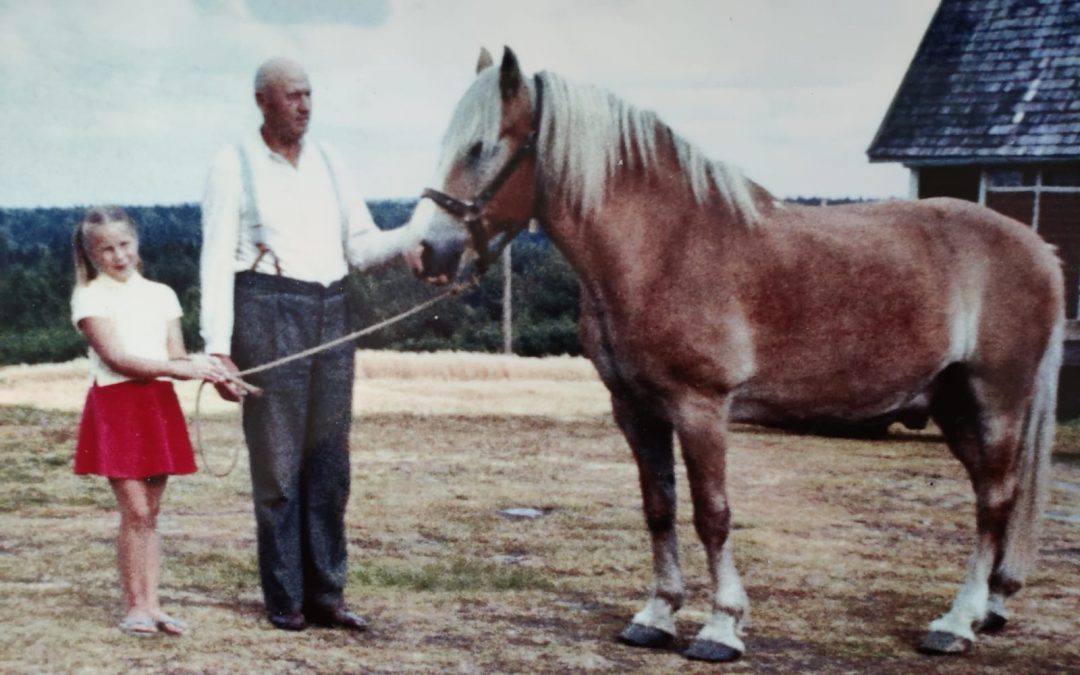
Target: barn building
989,111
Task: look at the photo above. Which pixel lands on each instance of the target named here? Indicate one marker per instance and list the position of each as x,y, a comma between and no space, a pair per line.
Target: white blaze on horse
705,300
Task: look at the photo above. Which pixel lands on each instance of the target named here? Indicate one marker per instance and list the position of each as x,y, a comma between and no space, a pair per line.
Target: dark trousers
297,435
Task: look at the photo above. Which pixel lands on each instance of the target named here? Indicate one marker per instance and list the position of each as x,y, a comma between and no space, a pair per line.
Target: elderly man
281,221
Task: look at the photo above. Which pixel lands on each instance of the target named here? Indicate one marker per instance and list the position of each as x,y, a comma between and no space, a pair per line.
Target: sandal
139,626
170,626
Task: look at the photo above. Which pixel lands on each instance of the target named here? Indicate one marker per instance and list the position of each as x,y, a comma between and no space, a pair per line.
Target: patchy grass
456,575
848,549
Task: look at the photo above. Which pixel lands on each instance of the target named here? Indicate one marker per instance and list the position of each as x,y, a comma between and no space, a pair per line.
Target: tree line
36,280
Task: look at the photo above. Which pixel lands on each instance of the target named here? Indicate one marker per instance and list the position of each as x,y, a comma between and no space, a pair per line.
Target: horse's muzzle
440,259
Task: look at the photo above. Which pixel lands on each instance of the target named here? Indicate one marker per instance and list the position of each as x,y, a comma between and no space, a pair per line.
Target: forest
36,280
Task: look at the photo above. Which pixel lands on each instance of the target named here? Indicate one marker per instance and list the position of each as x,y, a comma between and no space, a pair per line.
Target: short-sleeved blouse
140,311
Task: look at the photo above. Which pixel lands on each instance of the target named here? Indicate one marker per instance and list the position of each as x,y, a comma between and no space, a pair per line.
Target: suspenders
344,214
249,208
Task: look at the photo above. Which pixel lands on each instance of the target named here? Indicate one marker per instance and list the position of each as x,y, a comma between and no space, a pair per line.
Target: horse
705,300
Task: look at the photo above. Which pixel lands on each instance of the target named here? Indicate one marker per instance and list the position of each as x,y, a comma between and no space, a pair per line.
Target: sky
127,101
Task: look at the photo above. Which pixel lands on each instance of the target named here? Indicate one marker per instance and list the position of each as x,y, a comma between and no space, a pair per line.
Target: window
1068,176
1048,199
1010,178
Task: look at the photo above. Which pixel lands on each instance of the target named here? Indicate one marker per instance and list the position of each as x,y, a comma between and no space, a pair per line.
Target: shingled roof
992,81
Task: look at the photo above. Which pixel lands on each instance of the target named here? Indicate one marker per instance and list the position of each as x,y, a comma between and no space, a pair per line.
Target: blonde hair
587,135
85,272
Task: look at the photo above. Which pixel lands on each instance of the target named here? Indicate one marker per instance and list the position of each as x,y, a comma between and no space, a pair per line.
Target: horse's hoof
940,642
993,623
707,650
638,635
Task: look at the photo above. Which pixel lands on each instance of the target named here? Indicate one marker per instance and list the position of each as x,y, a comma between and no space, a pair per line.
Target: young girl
132,428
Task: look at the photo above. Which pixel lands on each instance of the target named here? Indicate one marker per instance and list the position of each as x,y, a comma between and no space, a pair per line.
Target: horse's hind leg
650,438
701,424
983,429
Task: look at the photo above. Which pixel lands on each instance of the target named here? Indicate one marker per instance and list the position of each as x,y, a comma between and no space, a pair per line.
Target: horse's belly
914,414
831,401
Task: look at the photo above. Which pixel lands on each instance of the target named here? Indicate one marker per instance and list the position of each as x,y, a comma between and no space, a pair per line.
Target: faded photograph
402,336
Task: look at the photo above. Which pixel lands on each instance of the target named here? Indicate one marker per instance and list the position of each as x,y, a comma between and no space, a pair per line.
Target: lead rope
247,388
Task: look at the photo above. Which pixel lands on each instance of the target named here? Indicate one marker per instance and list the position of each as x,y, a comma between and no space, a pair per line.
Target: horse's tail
1033,470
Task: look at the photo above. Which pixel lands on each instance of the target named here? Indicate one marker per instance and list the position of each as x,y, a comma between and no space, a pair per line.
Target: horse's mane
581,123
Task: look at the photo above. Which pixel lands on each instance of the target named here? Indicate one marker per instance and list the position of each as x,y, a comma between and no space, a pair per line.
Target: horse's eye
475,151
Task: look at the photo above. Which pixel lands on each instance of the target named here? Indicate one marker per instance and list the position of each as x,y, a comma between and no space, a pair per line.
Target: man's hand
414,258
227,390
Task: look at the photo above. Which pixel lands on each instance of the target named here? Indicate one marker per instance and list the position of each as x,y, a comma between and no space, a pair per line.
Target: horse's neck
575,236
616,251
644,219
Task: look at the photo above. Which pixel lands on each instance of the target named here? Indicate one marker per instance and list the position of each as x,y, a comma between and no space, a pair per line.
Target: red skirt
133,429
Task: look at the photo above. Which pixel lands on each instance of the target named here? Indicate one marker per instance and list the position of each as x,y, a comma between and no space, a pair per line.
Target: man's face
286,106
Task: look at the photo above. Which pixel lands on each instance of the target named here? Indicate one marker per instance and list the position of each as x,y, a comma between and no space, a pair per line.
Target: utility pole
507,304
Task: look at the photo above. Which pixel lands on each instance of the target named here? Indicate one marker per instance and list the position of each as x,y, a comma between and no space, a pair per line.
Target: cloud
354,12
790,91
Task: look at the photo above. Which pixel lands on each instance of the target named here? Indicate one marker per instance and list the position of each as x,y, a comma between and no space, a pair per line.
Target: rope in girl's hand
236,379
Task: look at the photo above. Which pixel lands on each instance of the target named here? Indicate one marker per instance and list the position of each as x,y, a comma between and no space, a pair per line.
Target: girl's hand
199,367
230,389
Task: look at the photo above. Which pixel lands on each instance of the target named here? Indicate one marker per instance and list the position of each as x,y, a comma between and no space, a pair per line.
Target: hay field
847,548
445,383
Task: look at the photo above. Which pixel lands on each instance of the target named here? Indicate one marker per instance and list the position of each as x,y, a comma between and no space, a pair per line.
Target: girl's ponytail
84,269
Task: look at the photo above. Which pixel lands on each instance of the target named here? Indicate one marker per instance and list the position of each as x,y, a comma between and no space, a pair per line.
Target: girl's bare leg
137,547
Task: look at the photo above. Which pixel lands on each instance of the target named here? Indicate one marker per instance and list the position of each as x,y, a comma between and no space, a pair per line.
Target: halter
472,212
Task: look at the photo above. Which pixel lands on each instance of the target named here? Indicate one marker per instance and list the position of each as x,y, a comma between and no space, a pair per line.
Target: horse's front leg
650,438
701,423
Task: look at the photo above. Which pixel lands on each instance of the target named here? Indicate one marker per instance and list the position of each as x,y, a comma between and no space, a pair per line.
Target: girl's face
113,249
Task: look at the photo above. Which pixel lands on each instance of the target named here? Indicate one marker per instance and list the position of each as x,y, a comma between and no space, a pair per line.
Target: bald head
275,71
283,94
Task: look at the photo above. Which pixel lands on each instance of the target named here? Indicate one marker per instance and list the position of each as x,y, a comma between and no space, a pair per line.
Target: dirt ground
848,549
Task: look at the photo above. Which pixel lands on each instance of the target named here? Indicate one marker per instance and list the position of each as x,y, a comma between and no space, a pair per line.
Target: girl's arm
175,340
101,335
198,367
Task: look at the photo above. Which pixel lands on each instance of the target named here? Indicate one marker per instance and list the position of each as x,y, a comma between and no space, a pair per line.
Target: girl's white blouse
140,311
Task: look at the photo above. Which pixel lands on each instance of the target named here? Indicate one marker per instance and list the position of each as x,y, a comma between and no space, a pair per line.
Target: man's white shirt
300,211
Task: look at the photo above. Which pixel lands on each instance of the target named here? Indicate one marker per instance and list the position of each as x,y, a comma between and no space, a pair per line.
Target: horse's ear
485,61
509,75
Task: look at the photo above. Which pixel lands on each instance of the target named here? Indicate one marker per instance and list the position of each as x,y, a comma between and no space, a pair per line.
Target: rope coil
249,389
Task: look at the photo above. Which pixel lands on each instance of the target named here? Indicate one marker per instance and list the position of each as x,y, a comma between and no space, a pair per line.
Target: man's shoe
290,621
338,617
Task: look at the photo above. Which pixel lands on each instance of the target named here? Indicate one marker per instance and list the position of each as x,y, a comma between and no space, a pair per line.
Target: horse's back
999,271
856,309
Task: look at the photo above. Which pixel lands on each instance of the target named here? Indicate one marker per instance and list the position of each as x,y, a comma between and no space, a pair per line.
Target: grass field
386,382
847,548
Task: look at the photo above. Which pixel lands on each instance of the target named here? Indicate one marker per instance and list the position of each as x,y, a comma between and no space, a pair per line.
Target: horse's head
486,174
